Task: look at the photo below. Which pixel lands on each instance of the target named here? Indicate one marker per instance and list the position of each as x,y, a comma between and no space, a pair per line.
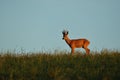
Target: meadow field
60,65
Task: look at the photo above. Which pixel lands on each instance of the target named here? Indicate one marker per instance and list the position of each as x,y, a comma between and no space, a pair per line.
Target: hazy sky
36,25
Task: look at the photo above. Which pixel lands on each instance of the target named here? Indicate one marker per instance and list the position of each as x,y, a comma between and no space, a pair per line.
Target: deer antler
65,31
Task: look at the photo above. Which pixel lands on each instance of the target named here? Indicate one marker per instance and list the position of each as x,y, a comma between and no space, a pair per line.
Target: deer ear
63,32
67,32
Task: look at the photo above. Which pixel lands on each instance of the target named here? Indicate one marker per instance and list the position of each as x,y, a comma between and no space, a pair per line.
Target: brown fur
76,43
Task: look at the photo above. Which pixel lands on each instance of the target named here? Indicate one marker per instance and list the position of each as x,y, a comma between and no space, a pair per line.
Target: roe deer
76,43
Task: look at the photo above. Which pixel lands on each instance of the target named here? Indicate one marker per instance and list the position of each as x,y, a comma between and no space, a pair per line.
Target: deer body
76,43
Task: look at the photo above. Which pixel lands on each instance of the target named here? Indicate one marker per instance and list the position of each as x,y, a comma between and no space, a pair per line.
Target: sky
35,25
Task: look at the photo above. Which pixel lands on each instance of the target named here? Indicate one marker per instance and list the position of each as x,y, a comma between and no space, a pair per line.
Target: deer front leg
72,51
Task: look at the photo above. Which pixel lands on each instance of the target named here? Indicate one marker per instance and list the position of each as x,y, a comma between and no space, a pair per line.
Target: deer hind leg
86,48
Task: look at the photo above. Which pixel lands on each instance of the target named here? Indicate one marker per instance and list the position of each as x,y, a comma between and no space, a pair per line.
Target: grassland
59,65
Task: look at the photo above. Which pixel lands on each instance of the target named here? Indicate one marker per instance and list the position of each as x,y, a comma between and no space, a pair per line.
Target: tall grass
59,65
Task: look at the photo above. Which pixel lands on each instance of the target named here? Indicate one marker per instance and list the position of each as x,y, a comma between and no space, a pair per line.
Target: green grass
104,65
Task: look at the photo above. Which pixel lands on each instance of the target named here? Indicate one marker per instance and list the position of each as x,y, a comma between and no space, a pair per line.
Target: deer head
65,33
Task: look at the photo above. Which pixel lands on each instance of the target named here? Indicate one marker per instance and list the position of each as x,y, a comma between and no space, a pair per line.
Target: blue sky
36,25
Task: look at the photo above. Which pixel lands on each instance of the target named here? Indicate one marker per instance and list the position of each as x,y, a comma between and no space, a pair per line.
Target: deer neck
68,41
